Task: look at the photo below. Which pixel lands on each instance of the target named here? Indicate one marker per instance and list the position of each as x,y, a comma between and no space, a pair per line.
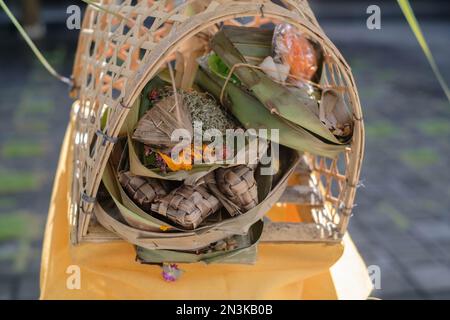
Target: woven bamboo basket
121,48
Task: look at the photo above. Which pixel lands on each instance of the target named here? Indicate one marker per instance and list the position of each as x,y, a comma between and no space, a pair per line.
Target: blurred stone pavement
401,222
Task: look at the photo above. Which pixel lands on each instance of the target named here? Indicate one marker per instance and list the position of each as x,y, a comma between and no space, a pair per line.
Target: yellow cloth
109,270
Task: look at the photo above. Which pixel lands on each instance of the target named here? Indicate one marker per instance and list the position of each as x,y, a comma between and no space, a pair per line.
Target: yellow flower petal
164,228
174,166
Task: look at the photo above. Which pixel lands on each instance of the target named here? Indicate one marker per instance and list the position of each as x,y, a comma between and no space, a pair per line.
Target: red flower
153,95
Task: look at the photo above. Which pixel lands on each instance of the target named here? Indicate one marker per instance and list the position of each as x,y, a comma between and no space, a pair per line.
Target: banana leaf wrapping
137,168
253,43
250,112
108,217
112,216
140,110
156,126
275,97
335,114
190,176
259,102
244,253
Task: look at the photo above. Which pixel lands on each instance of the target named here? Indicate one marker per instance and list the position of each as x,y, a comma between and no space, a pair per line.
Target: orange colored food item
184,163
299,54
190,155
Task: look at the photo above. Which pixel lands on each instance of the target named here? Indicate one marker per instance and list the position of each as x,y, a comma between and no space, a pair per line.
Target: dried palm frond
187,206
142,190
156,126
335,114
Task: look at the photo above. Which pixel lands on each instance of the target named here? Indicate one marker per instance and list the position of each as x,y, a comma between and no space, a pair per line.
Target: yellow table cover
109,270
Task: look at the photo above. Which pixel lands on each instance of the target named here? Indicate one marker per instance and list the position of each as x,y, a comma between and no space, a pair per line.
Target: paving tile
431,277
6,267
359,236
442,250
5,290
29,287
402,295
393,282
440,295
408,249
433,230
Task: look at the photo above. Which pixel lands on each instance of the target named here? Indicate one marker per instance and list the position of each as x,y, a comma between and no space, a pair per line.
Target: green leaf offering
254,44
252,114
146,103
220,69
276,98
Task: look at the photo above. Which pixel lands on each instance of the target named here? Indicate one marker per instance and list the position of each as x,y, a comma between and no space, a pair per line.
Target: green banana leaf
217,66
274,96
245,253
107,215
156,83
252,114
253,43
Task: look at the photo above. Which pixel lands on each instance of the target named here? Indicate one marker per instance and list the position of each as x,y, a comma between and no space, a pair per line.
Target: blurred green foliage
18,229
7,202
12,226
419,158
22,149
15,181
399,219
380,130
18,225
435,127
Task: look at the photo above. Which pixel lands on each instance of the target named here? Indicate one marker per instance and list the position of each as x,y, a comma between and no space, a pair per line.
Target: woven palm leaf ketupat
142,190
238,185
187,206
118,54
